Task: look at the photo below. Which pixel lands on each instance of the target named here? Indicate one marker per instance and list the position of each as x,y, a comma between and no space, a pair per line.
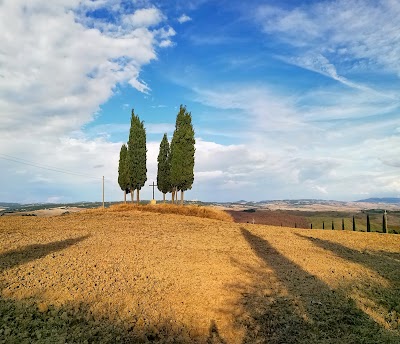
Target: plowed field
134,277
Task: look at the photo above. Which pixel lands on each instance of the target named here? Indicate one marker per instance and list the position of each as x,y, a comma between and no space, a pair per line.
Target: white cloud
56,71
184,18
321,189
336,145
338,33
145,17
57,66
166,43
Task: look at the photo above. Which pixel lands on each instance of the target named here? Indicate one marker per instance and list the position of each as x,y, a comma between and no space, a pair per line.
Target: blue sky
289,99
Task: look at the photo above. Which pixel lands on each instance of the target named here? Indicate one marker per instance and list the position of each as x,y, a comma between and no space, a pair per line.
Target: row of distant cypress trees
384,224
175,170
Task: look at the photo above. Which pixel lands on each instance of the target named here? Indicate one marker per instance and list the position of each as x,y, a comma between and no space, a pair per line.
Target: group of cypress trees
132,170
175,161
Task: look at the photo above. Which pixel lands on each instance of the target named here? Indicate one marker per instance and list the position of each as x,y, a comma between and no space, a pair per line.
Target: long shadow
32,252
386,264
23,322
213,335
309,312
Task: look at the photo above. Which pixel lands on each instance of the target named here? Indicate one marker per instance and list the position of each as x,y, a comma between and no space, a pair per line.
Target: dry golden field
125,276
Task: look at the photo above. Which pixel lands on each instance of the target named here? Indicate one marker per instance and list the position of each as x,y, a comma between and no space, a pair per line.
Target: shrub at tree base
189,210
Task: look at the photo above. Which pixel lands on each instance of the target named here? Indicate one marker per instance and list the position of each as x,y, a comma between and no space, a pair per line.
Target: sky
289,99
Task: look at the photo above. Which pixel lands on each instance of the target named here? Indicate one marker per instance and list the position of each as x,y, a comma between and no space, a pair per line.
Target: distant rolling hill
381,200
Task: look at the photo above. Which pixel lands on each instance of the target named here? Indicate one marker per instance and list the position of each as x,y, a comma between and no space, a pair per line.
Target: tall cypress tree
137,150
164,167
123,180
182,153
384,223
368,224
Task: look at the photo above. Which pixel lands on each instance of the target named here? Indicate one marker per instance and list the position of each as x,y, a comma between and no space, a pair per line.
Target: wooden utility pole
103,192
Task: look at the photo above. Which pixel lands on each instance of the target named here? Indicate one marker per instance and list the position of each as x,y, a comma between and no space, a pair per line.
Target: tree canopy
182,152
164,167
136,161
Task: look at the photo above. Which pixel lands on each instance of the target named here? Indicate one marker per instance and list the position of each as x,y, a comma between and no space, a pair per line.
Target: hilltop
130,276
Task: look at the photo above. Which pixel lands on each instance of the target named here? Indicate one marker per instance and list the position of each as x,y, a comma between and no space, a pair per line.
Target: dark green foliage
333,226
323,225
368,224
384,223
311,226
123,179
182,152
354,223
137,171
342,224
164,167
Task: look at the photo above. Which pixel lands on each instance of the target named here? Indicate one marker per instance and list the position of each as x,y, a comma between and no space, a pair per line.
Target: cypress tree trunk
354,224
182,197
173,195
342,224
132,195
137,197
368,224
124,196
163,196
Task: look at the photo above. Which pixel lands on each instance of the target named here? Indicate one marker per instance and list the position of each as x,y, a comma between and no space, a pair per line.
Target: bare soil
145,277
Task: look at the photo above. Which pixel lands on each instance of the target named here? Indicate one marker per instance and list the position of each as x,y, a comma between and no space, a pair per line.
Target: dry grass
187,210
134,276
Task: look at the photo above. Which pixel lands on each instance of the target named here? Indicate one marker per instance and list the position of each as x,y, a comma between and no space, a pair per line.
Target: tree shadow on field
25,322
286,304
32,252
214,337
386,264
33,320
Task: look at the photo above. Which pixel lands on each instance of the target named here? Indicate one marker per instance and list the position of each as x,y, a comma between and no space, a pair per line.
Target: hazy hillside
390,200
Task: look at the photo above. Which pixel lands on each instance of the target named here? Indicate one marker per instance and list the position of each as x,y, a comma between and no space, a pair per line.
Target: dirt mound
187,210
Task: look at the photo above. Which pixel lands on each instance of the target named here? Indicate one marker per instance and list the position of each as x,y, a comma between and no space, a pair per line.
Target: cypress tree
164,167
182,153
323,224
333,226
384,223
354,223
342,224
368,224
137,170
122,171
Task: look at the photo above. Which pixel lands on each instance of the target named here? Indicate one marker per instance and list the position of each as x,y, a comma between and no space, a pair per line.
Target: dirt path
140,277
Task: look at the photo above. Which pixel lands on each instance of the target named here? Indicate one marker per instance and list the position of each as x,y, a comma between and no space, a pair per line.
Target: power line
44,167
